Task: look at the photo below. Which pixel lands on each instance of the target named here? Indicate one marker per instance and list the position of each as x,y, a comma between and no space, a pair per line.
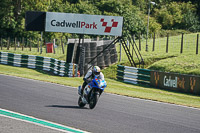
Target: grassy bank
114,86
187,64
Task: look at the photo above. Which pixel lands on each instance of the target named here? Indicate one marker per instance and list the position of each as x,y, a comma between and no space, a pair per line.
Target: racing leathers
89,76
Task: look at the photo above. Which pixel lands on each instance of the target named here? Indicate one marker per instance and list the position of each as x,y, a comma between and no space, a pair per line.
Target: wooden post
44,41
30,40
167,44
23,44
41,43
15,43
45,45
139,42
18,43
8,43
62,46
197,47
182,43
1,43
120,58
38,46
154,38
54,43
133,44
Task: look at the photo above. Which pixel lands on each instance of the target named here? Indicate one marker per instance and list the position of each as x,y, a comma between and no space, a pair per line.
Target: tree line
165,15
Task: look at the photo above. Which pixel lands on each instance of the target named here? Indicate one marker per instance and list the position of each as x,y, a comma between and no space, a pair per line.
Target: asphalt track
113,113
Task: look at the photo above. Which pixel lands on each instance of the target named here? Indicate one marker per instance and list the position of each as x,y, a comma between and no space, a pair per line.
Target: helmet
96,70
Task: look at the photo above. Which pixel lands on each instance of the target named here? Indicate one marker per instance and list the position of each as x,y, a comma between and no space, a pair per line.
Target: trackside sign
174,81
84,24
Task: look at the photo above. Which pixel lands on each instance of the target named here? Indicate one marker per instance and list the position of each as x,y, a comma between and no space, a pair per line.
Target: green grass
114,86
185,63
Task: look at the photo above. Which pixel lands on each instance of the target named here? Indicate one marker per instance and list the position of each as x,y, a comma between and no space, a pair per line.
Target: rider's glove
85,79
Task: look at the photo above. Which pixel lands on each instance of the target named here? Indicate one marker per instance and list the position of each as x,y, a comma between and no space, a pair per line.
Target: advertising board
84,24
176,82
35,21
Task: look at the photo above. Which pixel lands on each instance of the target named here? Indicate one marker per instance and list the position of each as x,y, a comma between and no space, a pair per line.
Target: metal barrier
133,75
51,65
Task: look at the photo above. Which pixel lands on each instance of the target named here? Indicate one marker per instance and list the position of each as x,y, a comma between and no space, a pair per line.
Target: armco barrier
133,75
55,66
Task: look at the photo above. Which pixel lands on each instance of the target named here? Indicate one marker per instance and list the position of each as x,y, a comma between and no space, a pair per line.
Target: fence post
23,44
139,42
18,43
197,44
182,43
133,44
54,43
45,43
8,43
120,44
15,42
1,43
154,38
30,43
62,46
41,43
167,43
38,49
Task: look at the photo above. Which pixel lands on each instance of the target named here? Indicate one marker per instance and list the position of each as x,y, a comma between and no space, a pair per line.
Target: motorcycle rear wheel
80,102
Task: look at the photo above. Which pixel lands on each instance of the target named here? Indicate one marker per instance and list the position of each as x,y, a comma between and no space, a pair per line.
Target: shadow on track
63,106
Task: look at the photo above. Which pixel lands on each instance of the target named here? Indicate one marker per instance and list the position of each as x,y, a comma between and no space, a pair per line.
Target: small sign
84,24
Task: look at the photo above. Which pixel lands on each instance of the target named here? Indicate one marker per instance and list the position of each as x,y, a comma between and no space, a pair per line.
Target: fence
36,45
176,44
133,75
51,65
32,44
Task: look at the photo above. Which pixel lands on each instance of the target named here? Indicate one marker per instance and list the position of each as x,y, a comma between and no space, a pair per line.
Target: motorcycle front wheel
80,102
93,101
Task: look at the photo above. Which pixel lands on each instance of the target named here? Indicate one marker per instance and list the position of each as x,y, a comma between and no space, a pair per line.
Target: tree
7,23
164,17
190,19
154,26
133,18
176,15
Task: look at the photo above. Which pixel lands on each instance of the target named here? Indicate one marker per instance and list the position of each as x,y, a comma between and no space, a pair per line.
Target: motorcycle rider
90,75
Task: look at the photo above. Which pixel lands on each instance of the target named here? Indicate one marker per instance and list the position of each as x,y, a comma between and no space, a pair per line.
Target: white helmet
96,70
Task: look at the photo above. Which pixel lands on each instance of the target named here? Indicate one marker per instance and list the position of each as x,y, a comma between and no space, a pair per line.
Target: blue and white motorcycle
91,93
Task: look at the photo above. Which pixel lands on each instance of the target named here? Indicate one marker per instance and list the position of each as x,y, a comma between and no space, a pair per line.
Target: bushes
163,33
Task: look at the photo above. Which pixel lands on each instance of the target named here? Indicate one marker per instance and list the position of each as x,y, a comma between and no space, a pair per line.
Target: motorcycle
91,93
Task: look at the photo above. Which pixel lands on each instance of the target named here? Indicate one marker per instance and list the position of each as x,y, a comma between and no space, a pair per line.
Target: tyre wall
86,53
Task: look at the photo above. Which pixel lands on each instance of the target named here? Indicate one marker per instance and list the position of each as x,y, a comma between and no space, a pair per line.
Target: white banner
84,24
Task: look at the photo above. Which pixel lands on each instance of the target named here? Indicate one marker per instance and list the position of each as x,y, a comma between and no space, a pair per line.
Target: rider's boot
82,91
